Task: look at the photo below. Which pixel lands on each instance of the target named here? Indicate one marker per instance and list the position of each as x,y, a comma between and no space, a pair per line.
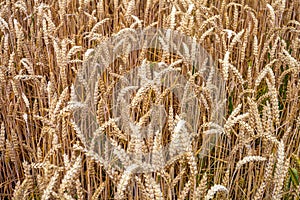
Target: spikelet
28,65
208,21
282,7
171,123
177,178
249,76
157,153
137,22
136,143
100,8
122,155
184,24
100,111
64,130
269,129
28,176
139,95
265,50
205,102
227,21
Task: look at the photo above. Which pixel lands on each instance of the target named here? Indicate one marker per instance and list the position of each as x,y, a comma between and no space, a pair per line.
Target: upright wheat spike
280,172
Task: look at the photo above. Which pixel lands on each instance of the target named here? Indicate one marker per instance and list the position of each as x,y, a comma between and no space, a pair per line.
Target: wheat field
252,154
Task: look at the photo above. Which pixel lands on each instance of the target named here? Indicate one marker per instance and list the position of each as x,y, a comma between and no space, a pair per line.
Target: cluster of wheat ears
46,154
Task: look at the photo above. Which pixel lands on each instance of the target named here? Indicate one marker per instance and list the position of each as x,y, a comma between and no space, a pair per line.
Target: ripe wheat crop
253,153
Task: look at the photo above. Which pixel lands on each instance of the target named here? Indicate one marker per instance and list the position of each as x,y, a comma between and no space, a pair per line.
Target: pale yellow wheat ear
280,171
124,181
98,191
152,187
213,190
272,15
201,190
157,153
70,176
49,189
185,191
23,190
180,139
79,190
249,159
267,178
234,118
2,138
11,68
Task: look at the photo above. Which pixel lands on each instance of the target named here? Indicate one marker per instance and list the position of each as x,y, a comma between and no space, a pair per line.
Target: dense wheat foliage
255,46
